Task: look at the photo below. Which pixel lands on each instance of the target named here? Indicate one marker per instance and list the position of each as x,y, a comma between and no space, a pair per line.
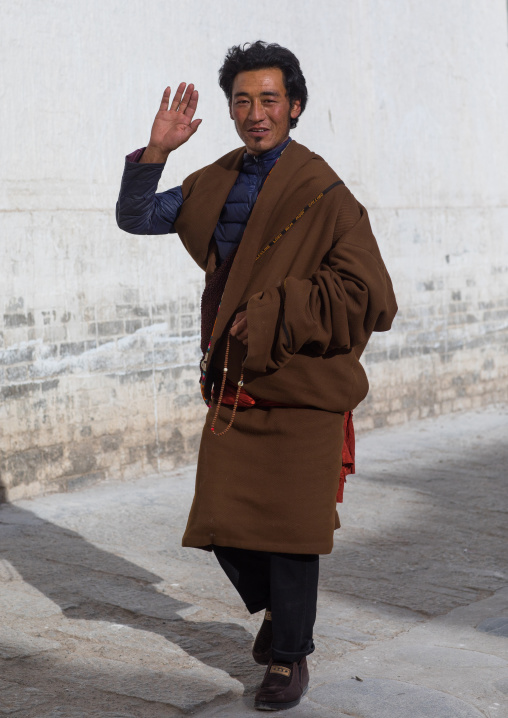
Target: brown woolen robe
313,300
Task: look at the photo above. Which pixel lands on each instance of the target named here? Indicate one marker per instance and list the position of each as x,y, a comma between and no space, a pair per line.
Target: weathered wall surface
98,354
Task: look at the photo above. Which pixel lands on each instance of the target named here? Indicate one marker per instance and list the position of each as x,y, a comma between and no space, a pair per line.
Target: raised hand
173,125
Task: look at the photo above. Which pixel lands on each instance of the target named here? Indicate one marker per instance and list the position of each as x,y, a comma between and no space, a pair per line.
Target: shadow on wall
88,583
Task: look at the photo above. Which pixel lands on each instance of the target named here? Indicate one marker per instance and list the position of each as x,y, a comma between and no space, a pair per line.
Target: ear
231,111
296,109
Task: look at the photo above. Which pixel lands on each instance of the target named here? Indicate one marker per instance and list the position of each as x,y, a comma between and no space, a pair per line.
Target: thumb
195,124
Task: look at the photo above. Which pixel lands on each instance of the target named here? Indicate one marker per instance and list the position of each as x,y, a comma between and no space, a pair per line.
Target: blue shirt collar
269,156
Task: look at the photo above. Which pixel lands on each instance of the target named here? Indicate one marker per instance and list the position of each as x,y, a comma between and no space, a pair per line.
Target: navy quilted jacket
140,210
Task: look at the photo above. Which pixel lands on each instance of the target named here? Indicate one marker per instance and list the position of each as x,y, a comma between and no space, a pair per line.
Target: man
295,285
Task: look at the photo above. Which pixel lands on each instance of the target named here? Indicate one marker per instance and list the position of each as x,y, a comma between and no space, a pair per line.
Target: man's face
261,109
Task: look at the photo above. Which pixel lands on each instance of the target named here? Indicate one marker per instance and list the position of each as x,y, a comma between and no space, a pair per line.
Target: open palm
173,124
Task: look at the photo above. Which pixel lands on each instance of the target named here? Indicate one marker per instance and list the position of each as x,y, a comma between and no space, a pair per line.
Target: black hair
259,55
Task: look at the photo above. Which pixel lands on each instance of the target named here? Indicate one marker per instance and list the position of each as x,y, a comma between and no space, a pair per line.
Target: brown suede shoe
262,648
283,686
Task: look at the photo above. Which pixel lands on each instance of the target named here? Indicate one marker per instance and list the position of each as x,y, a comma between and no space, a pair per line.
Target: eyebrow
266,93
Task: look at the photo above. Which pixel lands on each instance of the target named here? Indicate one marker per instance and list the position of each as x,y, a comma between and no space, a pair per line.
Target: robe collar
294,181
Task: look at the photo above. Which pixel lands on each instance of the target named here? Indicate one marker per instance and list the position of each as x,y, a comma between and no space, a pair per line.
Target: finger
193,103
242,333
194,125
165,99
240,328
178,96
186,98
239,317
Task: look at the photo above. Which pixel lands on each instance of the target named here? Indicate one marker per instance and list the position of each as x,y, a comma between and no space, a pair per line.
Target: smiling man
291,260
261,109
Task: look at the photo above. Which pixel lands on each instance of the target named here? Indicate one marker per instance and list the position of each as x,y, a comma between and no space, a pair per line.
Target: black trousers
284,583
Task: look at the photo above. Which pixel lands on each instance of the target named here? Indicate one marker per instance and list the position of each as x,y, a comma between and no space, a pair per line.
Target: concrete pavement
104,615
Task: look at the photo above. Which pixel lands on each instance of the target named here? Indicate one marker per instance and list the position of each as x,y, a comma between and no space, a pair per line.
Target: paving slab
18,644
384,698
16,699
104,615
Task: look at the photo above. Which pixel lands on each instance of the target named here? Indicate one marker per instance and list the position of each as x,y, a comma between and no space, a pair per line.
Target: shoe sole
265,706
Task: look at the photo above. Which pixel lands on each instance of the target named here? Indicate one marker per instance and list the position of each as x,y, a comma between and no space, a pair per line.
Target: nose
256,111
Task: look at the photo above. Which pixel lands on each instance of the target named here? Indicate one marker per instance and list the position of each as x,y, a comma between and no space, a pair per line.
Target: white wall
408,102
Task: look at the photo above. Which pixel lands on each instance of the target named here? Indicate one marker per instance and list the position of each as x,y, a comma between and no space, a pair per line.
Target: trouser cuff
291,656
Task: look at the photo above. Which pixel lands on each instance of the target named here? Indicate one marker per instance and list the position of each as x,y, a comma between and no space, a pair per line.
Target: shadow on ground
426,533
89,583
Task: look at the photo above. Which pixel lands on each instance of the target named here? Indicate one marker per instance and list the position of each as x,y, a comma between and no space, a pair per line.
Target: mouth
258,131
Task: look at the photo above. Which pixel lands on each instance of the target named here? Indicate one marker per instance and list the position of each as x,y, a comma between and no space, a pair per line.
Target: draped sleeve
336,308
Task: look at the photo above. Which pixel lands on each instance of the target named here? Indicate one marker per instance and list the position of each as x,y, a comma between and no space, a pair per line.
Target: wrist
154,155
